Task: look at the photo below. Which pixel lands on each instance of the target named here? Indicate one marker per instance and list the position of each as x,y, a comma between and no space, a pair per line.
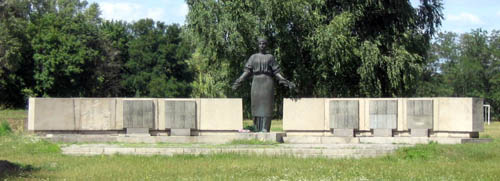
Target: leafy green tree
156,64
65,48
113,45
442,58
465,65
328,48
206,83
16,66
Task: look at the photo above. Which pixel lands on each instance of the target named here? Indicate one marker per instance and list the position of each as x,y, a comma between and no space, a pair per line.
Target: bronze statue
263,68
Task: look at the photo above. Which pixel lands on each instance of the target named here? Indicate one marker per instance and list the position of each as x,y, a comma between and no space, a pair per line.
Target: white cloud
129,11
168,11
465,18
498,13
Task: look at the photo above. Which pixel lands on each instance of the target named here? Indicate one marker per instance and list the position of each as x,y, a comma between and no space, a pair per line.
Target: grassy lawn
42,160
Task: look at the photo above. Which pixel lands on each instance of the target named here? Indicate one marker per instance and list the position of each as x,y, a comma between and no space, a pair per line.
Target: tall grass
15,118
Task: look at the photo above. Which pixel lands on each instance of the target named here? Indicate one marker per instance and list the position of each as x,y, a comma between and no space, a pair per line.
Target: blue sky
460,15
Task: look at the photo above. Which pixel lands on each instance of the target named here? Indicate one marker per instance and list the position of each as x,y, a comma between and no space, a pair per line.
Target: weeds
5,128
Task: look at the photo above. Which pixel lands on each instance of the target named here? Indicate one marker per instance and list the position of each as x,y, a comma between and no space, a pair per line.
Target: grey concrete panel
180,114
344,114
420,114
148,114
190,114
383,114
392,107
169,113
138,114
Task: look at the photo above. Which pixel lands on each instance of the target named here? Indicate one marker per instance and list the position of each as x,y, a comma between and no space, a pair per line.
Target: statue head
262,44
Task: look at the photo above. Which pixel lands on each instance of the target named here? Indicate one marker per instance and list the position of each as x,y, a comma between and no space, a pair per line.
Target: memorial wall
383,117
182,117
337,117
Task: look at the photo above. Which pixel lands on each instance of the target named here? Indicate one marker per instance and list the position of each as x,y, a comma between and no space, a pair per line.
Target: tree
156,65
465,65
114,37
16,66
65,48
329,48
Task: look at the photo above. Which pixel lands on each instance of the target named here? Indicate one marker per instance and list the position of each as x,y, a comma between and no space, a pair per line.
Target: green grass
252,142
276,125
422,162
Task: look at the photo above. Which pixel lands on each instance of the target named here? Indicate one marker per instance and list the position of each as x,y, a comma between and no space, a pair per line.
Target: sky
459,15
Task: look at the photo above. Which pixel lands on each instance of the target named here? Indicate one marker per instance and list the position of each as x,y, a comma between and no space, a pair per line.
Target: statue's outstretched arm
283,81
238,81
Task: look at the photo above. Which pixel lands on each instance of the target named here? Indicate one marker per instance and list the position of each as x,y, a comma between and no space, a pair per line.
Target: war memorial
327,121
373,124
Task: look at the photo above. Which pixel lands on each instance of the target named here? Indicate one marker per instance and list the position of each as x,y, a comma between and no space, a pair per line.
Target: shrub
5,128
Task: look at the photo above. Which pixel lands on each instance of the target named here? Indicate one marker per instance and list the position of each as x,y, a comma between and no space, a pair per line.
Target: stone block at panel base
382,132
180,132
419,132
138,131
343,132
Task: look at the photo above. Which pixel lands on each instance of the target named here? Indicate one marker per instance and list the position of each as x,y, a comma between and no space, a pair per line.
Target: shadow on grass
9,169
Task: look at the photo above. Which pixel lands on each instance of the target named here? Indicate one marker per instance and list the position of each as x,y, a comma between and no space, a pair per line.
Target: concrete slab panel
54,114
180,114
383,114
163,124
221,114
455,114
304,114
138,114
420,114
344,114
96,113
